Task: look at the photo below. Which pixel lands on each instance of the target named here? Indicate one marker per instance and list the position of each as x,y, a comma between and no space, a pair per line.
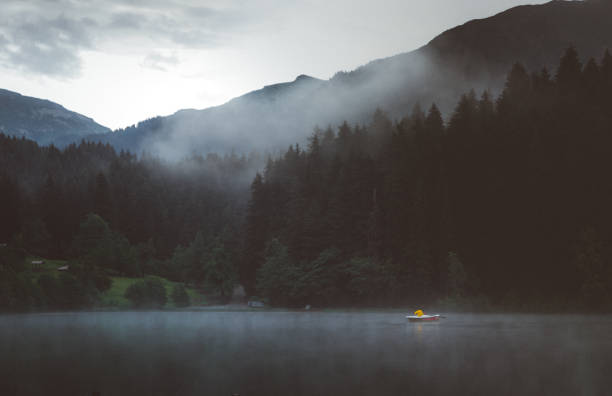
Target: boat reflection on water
423,332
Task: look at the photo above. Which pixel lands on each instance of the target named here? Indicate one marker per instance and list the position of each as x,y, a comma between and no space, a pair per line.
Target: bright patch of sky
122,61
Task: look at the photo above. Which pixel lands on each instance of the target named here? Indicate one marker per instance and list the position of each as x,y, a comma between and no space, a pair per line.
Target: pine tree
606,68
179,296
375,229
606,76
592,82
218,270
103,205
10,209
569,72
516,92
433,123
51,202
591,266
256,235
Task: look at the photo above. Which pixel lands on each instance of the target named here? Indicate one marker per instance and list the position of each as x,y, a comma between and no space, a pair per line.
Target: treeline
97,254
507,205
47,192
117,214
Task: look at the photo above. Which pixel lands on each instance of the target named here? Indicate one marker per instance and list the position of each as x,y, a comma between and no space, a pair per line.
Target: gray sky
122,61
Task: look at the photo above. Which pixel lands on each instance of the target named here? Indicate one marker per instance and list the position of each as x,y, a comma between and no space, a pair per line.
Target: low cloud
48,38
158,61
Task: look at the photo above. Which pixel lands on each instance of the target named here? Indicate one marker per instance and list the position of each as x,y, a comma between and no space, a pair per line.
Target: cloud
47,46
48,37
159,61
125,21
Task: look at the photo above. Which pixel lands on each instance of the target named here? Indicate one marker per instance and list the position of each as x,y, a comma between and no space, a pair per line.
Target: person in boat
419,316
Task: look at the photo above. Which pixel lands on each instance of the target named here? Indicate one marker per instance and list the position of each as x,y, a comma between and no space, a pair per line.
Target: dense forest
506,205
112,213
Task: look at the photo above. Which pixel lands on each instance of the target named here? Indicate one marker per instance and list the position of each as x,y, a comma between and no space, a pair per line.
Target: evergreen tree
278,275
515,95
102,198
256,231
218,270
569,72
10,209
593,279
147,293
179,296
51,203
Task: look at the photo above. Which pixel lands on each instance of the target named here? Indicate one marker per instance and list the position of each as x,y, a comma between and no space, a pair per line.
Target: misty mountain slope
257,120
475,55
479,53
43,121
533,35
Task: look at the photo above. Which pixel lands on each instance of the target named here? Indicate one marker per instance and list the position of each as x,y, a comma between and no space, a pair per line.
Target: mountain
475,55
43,121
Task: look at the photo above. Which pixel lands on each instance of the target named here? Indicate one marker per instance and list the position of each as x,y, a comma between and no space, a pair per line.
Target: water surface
303,353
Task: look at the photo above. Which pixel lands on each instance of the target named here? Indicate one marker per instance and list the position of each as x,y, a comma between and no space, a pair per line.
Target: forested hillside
47,192
113,214
43,121
506,205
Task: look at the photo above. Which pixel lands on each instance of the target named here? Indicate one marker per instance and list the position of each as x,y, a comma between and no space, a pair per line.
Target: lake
303,353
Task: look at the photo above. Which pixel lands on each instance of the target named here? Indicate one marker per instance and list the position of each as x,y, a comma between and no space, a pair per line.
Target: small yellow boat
420,316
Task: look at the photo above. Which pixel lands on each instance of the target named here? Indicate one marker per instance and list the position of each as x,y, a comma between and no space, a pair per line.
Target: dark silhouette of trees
11,208
492,206
147,293
179,296
507,203
103,205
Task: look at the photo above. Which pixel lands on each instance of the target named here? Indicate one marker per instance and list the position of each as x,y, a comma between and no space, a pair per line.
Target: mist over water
295,353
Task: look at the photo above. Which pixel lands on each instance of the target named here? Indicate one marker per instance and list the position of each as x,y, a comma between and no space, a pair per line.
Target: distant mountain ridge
476,55
245,123
43,121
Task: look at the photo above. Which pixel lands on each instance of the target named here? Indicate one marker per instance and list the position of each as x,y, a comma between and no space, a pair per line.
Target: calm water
310,353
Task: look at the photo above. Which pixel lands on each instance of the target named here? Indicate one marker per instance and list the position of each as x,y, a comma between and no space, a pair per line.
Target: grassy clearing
113,297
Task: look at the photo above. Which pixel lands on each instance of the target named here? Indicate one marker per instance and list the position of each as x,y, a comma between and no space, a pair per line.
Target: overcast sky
122,61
